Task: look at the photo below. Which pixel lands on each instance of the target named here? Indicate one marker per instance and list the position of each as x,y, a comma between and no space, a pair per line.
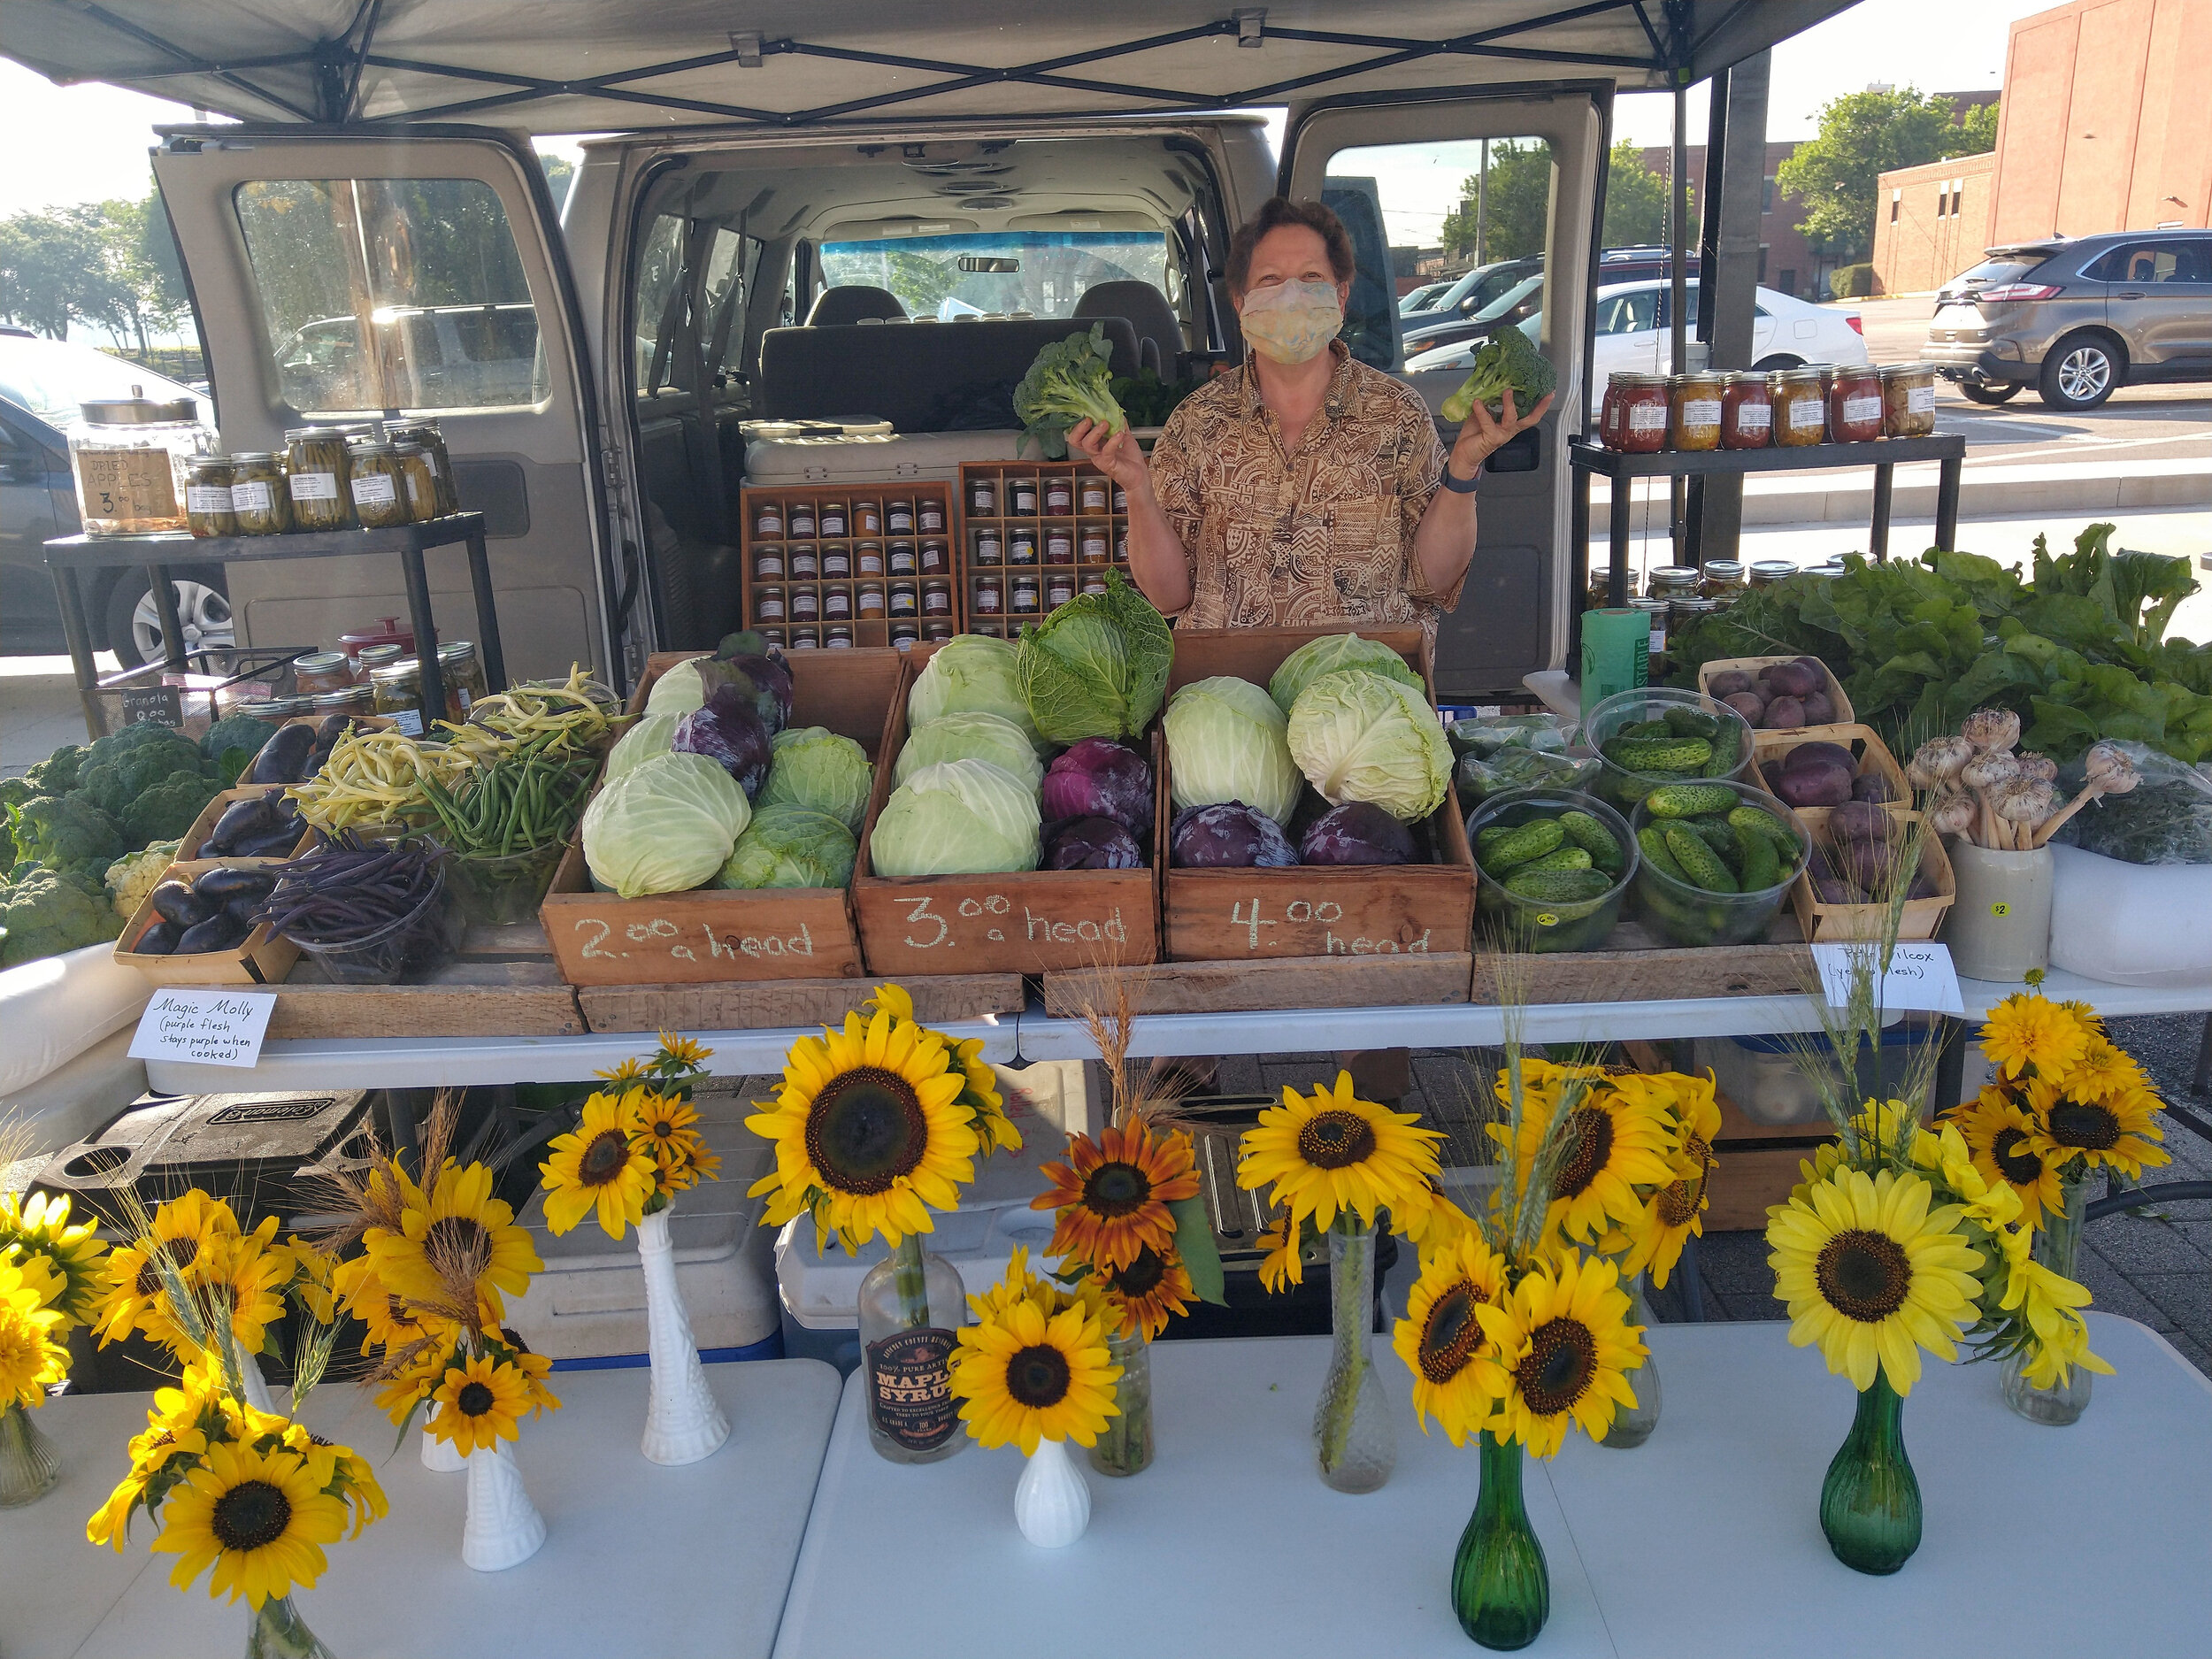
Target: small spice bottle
898,517
868,600
983,497
207,508
318,475
830,520
1059,494
258,499
987,547
798,519
768,520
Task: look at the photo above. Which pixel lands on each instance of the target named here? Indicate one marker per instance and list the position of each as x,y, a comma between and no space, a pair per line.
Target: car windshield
51,377
991,273
2008,268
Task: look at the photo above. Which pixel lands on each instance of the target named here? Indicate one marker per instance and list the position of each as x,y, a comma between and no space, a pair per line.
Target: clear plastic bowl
501,891
1624,788
1524,924
1692,916
426,939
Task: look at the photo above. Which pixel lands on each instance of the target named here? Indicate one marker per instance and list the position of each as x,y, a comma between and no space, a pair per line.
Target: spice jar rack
873,558
1033,536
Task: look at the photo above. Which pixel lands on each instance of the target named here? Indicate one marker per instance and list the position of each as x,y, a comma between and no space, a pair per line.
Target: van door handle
2127,296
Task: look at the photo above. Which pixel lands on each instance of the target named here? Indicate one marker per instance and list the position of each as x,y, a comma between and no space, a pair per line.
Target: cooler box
1760,1075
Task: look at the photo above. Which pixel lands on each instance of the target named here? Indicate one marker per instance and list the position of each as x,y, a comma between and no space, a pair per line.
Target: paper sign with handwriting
210,1026
1920,977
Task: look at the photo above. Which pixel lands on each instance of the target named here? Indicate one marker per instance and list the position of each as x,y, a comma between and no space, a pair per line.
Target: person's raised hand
1114,453
1480,435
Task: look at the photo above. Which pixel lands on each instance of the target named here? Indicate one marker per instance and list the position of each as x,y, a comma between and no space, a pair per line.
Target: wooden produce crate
1864,742
468,998
927,500
1348,913
1823,923
1226,987
711,935
781,1002
1033,921
1751,665
265,958
203,826
1096,537
1639,966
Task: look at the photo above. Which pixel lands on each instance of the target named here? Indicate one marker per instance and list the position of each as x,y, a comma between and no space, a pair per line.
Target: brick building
1930,222
1786,263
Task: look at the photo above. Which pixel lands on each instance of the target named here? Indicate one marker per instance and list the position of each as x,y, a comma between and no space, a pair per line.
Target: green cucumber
1715,833
1659,754
1655,854
1784,838
1690,800
1522,843
1691,723
1560,858
1594,838
1761,865
1727,751
1699,862
1557,886
1636,729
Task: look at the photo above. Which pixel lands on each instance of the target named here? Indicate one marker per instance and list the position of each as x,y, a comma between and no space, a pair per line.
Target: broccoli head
237,731
56,774
1508,359
165,812
62,830
44,914
132,877
113,780
1068,382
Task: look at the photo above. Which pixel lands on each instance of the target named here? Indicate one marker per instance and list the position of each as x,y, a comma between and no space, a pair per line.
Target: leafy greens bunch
1066,383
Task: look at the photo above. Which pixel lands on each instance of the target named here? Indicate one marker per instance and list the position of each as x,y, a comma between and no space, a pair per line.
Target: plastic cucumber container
1691,916
1510,921
1621,788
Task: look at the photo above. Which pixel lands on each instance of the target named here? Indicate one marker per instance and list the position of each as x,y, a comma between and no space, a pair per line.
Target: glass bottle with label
831,520
904,600
902,561
396,691
983,497
1059,545
1021,498
937,598
936,559
837,564
837,603
129,456
1023,595
768,605
806,605
837,637
1059,494
988,596
463,672
1642,426
1855,406
867,518
768,561
929,516
806,639
1747,411
868,558
798,519
868,602
207,508
768,520
904,634
1908,400
1693,411
258,499
898,517
1021,547
1093,494
1096,549
422,431
989,546
319,476
801,560
1800,411
378,488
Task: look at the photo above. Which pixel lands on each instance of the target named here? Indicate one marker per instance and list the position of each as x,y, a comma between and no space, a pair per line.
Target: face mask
1291,321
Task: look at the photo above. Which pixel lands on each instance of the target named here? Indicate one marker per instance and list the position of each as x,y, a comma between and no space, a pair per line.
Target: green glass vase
1501,1588
1869,1504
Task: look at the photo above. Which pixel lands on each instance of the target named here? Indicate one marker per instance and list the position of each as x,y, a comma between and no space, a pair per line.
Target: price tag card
1920,977
208,1026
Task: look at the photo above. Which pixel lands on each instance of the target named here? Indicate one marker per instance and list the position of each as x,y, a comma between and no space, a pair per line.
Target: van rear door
417,272
1414,163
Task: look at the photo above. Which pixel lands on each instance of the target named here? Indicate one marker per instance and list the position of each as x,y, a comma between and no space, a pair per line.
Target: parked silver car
2078,318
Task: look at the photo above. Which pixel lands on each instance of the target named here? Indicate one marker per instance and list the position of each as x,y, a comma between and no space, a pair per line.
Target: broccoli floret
62,830
132,877
1507,358
1068,382
56,774
44,914
237,731
113,780
166,810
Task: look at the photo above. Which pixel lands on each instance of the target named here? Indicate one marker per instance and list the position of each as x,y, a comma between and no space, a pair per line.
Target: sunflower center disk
1563,1356
1677,1205
1117,1189
1336,1139
1143,1276
2092,1127
459,1246
604,1158
252,1514
866,1131
1863,1276
1450,1335
181,1253
1590,1140
1038,1377
473,1400
2014,1161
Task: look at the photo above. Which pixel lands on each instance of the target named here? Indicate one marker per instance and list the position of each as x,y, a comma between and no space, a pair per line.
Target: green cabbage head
973,672
652,734
665,826
679,691
1097,666
790,847
1226,741
972,736
1362,736
813,767
960,818
1332,654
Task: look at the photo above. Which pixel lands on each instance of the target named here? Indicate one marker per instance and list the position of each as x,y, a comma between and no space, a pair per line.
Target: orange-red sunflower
1112,1195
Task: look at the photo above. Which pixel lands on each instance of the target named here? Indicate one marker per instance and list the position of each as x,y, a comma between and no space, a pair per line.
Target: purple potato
1727,683
1749,704
1923,887
1835,890
1873,787
1819,710
1859,821
1793,680
1357,832
1822,784
1784,714
1806,754
1865,864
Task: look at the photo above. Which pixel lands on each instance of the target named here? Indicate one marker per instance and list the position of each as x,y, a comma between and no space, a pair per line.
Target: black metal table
66,556
1591,460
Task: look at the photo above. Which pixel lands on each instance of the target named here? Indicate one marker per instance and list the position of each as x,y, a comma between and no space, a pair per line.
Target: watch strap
1455,487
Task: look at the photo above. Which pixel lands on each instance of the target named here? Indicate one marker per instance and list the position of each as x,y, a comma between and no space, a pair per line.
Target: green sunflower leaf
1195,1243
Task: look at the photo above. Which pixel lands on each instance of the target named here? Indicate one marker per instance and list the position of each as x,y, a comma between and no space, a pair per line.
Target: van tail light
2006,293
1853,318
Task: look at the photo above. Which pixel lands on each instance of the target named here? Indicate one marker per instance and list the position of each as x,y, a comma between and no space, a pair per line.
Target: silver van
834,214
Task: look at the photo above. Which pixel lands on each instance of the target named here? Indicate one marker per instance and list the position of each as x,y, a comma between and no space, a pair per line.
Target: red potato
1749,704
1784,714
1727,683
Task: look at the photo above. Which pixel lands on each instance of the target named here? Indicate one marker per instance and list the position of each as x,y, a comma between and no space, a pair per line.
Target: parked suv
2078,318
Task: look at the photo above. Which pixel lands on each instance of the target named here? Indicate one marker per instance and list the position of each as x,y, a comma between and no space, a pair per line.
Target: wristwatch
1455,487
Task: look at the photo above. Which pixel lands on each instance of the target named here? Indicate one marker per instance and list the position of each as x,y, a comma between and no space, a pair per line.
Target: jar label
937,603
207,498
1701,412
1920,400
314,485
986,599
1805,415
373,489
252,498
125,484
1658,641
1861,410
1647,417
871,604
408,721
1754,417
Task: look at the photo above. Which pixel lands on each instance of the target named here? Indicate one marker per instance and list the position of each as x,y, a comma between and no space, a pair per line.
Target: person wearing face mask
1306,489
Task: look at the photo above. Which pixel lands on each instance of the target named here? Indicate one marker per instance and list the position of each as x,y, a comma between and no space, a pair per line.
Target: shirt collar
1333,403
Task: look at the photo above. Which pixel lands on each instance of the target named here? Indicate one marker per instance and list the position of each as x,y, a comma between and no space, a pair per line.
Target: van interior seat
854,302
926,377
1159,332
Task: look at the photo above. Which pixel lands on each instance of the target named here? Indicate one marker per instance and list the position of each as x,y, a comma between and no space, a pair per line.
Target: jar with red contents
1610,412
1747,411
1642,425
1855,406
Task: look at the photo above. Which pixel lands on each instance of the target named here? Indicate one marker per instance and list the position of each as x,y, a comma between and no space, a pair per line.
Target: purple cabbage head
1227,835
730,732
1357,832
1094,843
764,682
1099,777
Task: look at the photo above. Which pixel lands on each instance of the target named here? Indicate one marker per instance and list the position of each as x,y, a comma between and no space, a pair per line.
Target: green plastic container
1522,923
1692,916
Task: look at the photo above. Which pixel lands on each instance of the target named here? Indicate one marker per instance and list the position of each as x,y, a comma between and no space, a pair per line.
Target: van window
994,273
401,293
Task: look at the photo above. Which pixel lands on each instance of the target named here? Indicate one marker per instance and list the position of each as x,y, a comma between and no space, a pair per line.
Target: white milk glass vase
504,1528
1052,1504
684,1422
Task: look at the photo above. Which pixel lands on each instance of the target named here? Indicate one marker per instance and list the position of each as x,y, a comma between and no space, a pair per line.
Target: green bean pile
531,797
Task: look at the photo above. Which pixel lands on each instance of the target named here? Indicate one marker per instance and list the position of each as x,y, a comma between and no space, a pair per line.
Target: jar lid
457,651
369,655
1773,567
281,708
307,434
1701,377
1723,570
351,696
1664,573
1693,604
1746,377
406,668
372,450
1643,382
1809,375
1902,371
321,663
246,457
1648,604
211,460
138,410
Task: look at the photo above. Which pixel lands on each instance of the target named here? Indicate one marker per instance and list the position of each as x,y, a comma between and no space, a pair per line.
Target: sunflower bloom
1999,1136
596,1167
1150,1290
1614,1139
257,1518
1111,1197
455,1244
480,1403
181,1236
1456,1377
1566,1346
2121,1132
2026,1030
1671,1216
1027,1377
1336,1152
38,1226
2104,1071
31,1355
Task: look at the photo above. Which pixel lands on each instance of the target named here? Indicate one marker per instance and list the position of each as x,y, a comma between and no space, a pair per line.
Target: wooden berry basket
1761,739
204,826
1823,923
265,958
1867,750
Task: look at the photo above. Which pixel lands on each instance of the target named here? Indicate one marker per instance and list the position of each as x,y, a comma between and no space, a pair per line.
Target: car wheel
134,623
2003,392
2080,372
1783,360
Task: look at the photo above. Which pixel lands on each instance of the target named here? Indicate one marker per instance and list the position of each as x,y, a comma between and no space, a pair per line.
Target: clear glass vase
1355,1435
2058,1247
911,1305
1869,1504
1632,1425
1500,1586
1124,1446
279,1632
29,1466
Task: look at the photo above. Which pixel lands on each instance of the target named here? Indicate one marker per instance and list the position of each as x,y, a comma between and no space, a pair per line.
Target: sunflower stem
912,1281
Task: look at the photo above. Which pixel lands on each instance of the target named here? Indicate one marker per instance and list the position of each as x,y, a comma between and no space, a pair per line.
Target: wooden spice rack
999,478
858,501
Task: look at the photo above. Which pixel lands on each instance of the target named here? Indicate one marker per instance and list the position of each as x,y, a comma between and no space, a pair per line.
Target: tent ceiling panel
613,65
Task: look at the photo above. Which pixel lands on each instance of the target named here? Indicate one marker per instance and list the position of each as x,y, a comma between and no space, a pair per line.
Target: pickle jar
395,690
1666,581
321,672
988,547
346,700
258,498
1766,572
1722,579
319,474
1855,406
462,672
868,602
130,455
377,487
1800,413
207,508
1693,411
905,601
1747,411
423,431
1684,609
369,658
419,480
1657,609
1642,426
1908,400
1597,590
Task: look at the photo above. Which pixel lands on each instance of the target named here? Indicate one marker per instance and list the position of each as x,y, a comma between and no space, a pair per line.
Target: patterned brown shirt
1322,536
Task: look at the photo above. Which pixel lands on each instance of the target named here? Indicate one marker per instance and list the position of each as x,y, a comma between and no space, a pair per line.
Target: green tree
1978,131
53,270
1516,208
559,174
1863,136
1635,200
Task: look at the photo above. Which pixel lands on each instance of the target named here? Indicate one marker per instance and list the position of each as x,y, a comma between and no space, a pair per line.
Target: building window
1943,201
1895,197
1786,283
1766,193
1763,262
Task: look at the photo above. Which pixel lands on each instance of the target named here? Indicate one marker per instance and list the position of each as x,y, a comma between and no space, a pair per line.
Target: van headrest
1147,312
920,379
855,303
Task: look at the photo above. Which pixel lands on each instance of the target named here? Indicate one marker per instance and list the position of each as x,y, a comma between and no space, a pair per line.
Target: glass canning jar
1693,411
937,633
867,518
207,508
983,497
868,600
1059,545
937,598
837,562
345,700
1609,411
768,605
1021,498
463,672
1747,411
321,672
904,634
1721,578
1667,580
1093,494
396,691
987,597
798,520
929,517
1908,400
1059,588
838,636
1059,494
806,639
319,474
768,561
898,517
802,562
1643,418
424,432
1094,581
905,601
1855,406
837,602
1096,547
903,560
989,547
1800,413
377,487
768,520
130,455
1766,572
419,481
831,520
258,499
806,605
1021,547
1023,598
934,558
868,558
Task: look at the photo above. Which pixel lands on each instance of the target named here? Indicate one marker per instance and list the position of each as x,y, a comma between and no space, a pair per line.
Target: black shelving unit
66,556
1591,460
